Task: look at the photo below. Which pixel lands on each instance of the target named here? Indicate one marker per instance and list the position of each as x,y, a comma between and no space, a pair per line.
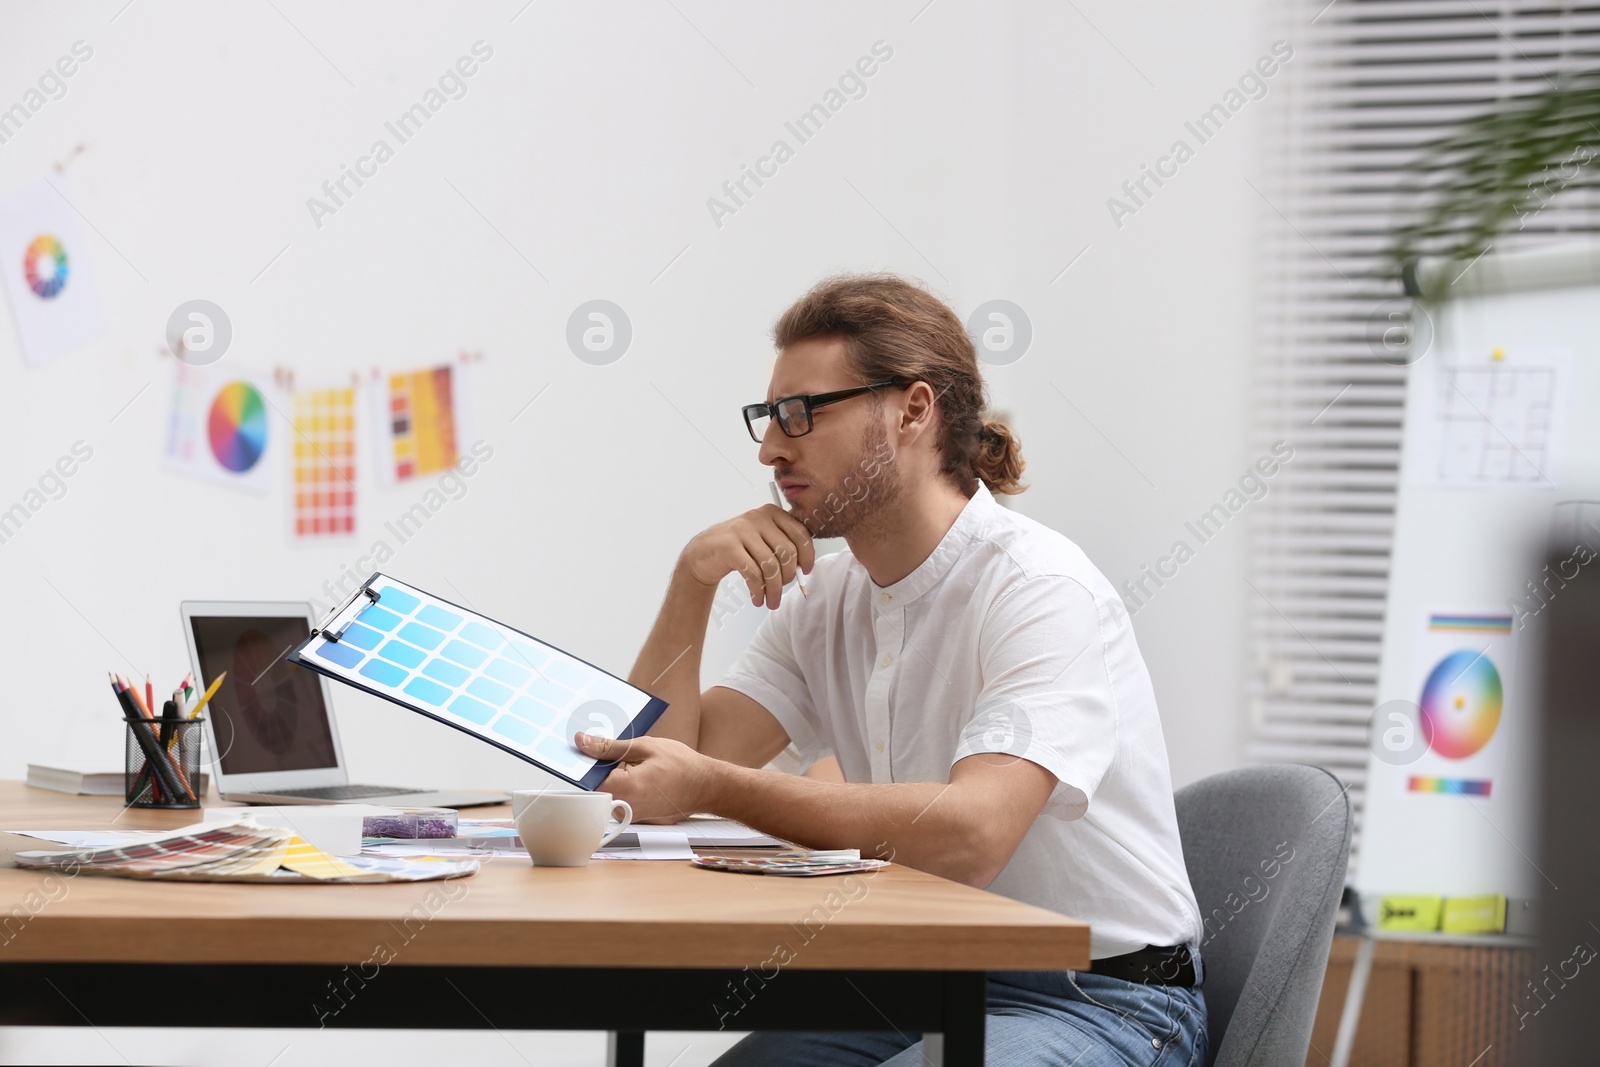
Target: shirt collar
973,517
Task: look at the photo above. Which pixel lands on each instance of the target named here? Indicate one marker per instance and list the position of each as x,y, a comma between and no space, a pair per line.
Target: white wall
980,160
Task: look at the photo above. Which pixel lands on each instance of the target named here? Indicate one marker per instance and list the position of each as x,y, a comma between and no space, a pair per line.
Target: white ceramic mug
520,798
563,829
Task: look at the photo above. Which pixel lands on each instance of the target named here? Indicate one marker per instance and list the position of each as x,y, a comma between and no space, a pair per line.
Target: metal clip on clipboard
345,615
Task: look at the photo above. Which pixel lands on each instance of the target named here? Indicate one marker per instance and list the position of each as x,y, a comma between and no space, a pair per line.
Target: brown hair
894,329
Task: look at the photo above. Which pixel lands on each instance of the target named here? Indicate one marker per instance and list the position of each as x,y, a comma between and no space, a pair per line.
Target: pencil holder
162,766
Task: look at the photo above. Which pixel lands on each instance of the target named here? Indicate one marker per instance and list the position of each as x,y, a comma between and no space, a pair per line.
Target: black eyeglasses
794,412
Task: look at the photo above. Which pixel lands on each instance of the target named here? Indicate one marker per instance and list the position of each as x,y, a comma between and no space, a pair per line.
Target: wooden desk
623,946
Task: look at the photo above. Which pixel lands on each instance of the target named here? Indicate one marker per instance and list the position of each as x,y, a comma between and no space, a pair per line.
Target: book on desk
98,782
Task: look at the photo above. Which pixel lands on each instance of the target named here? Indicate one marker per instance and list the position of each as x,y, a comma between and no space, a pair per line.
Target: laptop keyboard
340,792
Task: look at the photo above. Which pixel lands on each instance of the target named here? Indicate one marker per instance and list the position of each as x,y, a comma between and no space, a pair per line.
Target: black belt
1154,966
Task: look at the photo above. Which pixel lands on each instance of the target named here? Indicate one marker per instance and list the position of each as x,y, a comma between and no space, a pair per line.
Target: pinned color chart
324,463
1461,699
44,260
477,675
221,427
418,422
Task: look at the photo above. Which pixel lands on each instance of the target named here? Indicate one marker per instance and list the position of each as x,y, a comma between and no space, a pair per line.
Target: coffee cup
561,829
520,798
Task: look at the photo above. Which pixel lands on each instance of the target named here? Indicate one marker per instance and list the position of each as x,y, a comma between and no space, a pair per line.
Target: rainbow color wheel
238,426
45,283
1461,703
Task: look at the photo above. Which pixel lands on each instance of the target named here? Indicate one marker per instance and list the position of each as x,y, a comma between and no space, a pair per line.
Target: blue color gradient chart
475,674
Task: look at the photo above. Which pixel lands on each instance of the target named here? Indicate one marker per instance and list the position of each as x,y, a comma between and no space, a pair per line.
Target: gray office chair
1268,912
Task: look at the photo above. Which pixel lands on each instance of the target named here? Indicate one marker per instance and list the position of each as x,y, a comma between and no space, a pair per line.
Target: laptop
271,725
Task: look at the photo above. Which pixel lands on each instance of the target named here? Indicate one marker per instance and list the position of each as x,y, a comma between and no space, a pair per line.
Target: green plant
1502,165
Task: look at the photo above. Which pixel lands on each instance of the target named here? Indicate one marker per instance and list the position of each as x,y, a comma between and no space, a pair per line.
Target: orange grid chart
324,463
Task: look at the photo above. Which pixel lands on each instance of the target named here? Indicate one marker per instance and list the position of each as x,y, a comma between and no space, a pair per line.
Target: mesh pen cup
163,763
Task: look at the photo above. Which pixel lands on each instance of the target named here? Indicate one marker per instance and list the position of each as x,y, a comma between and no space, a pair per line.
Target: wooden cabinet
1428,1006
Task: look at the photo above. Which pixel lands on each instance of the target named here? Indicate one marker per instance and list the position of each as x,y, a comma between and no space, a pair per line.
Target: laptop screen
269,714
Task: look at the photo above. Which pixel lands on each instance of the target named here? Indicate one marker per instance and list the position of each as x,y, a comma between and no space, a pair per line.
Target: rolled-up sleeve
1046,694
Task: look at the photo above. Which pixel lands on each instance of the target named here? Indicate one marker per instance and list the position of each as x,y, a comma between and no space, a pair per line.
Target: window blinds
1373,82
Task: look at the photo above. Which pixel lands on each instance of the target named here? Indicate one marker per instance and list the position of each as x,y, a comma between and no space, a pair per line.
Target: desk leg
625,1048
1350,1017
966,1006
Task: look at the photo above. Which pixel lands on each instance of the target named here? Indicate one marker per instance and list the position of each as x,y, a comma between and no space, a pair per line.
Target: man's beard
861,502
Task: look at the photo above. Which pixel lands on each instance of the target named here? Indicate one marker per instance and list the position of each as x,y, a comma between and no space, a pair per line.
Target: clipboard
480,676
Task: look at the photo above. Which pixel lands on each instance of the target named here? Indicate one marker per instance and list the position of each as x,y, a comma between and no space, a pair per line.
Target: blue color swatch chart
475,674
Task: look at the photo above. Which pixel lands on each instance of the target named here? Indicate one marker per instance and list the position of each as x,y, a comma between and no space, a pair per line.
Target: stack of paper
672,841
99,782
90,782
236,852
708,832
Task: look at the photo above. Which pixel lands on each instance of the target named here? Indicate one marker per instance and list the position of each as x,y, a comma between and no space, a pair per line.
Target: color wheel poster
1463,686
223,426
45,263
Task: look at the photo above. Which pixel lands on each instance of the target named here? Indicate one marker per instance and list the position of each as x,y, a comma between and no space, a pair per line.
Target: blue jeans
1035,1019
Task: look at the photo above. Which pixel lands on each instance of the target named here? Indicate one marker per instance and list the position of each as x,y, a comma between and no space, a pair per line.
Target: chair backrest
1266,849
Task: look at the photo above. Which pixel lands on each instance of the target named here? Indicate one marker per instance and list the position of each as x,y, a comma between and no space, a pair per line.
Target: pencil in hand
799,575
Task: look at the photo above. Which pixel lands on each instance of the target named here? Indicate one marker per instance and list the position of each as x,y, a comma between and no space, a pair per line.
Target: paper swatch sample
238,852
788,865
221,427
416,415
45,262
323,500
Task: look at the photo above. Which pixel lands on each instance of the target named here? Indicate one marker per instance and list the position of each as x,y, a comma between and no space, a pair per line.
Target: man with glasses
794,412
975,676
793,416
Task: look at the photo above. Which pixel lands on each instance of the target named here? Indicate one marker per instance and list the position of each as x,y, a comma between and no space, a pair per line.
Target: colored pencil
144,733
138,701
157,736
129,712
211,691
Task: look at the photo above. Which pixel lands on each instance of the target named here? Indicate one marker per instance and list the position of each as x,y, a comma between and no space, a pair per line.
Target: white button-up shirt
1006,640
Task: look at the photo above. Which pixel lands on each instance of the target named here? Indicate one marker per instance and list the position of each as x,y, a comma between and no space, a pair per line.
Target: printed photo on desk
478,675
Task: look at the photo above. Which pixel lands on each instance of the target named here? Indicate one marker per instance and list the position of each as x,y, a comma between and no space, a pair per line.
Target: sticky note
1409,913
1474,915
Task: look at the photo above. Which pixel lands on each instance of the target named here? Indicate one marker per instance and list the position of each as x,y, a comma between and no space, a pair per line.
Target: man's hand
662,780
765,546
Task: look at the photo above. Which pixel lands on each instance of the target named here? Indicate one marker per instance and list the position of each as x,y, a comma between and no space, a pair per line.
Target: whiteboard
1463,554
